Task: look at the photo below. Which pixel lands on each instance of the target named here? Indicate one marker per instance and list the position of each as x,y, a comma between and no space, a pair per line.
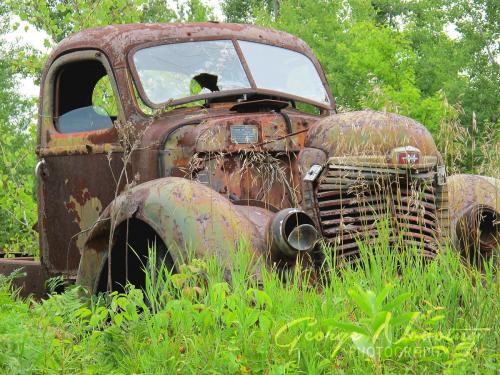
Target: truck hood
371,137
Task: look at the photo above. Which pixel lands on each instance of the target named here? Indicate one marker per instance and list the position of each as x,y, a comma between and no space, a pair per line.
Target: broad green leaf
382,295
396,302
362,300
364,344
350,328
380,323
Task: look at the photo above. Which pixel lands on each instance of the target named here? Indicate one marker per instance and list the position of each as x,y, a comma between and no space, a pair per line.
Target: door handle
40,169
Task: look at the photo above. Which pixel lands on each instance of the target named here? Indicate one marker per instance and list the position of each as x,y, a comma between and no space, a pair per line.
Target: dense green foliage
391,314
398,56
17,142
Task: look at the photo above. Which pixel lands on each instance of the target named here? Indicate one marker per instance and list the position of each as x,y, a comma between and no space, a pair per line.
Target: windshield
281,69
175,71
182,70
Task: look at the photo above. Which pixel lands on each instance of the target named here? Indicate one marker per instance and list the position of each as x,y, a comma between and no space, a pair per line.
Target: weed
388,313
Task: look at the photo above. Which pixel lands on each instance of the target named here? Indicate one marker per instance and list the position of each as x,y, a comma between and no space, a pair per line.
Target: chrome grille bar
352,200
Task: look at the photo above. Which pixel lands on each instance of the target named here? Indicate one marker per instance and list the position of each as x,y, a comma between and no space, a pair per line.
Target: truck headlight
292,231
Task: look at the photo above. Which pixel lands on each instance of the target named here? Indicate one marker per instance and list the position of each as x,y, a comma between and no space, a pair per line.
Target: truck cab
197,136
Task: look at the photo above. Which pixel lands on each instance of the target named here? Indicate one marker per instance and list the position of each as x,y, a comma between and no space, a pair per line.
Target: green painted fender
186,215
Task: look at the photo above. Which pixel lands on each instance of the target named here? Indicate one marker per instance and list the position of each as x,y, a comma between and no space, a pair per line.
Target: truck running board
32,281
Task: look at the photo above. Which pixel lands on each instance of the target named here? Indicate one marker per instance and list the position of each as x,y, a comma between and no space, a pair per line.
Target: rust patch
369,133
85,210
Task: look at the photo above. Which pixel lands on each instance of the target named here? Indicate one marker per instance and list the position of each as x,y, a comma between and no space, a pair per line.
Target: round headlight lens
303,237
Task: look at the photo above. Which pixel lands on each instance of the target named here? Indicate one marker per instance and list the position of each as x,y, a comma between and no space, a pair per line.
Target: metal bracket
39,168
313,173
441,175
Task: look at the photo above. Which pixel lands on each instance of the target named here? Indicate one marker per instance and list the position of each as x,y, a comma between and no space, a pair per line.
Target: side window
103,98
84,98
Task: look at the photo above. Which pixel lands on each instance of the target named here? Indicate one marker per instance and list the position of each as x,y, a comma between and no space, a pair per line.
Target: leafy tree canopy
397,51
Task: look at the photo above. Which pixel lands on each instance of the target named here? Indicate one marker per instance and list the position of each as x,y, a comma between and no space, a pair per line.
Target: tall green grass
390,313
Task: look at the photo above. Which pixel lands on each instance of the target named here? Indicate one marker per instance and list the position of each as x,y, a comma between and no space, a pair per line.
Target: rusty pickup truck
195,136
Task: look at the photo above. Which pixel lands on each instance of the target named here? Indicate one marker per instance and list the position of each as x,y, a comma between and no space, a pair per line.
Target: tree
17,201
59,18
399,55
244,11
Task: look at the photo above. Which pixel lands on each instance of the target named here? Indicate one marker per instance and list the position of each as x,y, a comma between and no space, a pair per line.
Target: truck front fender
474,214
186,215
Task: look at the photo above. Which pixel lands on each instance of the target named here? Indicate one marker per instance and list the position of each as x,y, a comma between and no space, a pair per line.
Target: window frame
51,92
252,90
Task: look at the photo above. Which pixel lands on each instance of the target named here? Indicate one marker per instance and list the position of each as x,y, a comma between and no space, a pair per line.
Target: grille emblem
406,155
408,158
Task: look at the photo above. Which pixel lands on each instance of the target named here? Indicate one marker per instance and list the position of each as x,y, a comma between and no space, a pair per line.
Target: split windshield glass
283,70
175,71
183,70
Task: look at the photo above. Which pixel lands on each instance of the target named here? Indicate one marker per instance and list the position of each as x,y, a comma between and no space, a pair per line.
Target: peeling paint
85,210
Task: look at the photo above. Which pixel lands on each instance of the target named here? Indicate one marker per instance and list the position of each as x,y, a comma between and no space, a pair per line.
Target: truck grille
353,202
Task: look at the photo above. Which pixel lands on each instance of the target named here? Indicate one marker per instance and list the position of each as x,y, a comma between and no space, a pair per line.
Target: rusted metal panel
468,190
33,280
264,170
186,215
369,133
74,190
474,213
214,134
89,148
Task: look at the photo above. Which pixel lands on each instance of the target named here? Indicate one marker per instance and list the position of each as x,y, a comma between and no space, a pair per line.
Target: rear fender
187,216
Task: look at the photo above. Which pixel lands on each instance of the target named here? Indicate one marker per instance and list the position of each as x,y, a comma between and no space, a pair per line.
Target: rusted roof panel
117,40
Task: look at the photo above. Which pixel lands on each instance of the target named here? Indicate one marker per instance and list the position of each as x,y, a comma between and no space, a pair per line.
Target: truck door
79,154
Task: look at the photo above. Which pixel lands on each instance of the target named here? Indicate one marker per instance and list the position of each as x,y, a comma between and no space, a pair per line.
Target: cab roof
117,40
